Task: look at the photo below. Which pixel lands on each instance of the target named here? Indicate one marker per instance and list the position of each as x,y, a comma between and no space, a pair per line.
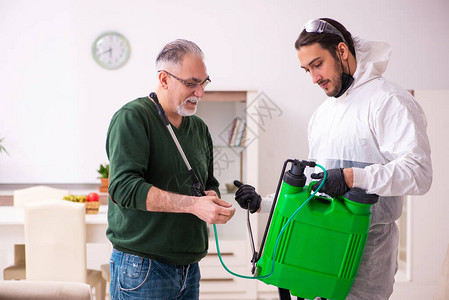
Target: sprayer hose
277,239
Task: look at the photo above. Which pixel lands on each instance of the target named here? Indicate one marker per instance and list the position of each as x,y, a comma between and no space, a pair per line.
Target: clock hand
109,50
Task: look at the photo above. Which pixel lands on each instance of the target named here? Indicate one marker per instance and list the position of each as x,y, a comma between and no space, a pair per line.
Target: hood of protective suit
372,60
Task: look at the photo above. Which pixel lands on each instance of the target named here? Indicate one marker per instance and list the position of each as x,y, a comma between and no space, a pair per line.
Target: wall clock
111,50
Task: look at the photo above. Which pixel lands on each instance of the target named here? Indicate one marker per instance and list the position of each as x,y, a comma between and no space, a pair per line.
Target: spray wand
197,188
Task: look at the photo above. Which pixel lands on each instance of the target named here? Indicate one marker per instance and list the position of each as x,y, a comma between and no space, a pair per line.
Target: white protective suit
379,130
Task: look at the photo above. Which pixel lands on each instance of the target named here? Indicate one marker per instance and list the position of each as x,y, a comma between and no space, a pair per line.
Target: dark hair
173,52
328,41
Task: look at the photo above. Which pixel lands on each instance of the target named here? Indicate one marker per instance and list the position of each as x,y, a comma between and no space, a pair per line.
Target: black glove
335,184
247,194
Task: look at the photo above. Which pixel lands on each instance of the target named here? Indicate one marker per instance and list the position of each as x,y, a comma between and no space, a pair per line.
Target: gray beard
183,111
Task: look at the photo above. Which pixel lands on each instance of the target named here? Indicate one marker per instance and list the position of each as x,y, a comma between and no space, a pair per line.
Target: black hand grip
160,109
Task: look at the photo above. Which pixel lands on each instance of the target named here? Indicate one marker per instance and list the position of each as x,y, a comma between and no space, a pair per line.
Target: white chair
105,272
55,244
37,194
442,291
22,196
17,270
44,290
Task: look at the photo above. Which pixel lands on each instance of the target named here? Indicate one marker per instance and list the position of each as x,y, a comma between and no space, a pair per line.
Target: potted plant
2,147
104,177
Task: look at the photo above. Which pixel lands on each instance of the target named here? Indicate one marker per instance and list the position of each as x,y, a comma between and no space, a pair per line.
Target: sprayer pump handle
160,109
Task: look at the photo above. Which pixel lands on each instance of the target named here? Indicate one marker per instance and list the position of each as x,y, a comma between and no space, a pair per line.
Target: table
12,232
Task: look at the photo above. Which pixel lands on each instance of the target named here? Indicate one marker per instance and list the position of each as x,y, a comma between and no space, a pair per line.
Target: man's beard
184,111
337,80
342,82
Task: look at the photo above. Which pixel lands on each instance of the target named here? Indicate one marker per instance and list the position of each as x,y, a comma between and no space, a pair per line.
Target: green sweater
142,153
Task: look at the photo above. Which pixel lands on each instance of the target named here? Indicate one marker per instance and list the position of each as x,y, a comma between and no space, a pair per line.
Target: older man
156,225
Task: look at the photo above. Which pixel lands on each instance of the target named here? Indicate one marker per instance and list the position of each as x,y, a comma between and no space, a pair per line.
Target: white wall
56,103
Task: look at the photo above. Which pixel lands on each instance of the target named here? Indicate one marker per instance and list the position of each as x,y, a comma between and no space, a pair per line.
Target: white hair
173,52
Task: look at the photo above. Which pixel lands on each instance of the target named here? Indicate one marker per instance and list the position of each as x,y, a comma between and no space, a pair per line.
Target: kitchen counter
7,190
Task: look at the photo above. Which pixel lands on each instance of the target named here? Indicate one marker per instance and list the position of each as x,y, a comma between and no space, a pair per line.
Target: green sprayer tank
319,251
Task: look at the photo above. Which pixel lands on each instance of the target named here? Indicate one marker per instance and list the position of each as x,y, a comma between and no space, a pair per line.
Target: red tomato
93,197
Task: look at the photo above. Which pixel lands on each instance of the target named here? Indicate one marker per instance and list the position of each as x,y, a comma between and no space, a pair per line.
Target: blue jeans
136,277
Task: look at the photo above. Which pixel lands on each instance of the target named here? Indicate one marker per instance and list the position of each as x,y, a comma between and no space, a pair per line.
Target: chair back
36,194
55,241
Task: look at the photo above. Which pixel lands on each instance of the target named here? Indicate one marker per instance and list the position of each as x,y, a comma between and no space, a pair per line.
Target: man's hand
212,209
209,208
211,193
246,195
335,184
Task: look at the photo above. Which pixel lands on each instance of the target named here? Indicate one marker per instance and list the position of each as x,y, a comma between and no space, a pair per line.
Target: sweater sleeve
127,147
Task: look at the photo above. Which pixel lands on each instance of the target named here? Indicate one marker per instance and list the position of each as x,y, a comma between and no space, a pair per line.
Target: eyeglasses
320,26
188,84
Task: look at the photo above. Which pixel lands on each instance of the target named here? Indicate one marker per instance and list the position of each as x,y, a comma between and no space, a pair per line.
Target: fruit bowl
92,207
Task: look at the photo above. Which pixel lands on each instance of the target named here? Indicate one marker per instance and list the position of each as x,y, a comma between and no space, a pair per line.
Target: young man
369,134
156,226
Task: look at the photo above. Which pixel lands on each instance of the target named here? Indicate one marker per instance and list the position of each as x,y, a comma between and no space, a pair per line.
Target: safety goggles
320,26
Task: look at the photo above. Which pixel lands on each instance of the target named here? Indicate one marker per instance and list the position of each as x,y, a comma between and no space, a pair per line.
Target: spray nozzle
298,166
308,163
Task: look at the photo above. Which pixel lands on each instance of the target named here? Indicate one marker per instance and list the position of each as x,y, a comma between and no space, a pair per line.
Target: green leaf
2,147
104,170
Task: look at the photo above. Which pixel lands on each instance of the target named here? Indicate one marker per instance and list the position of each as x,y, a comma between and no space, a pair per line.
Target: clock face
111,50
